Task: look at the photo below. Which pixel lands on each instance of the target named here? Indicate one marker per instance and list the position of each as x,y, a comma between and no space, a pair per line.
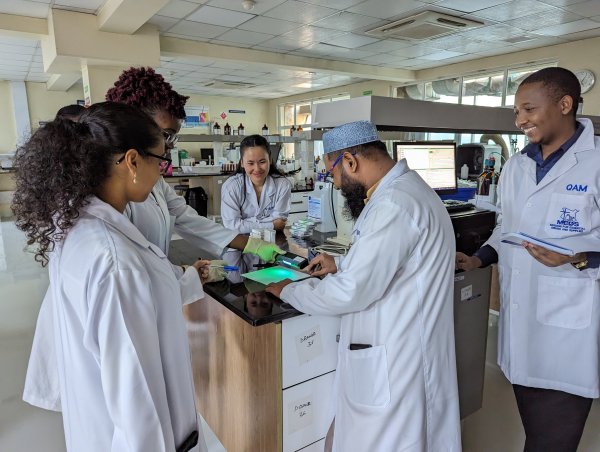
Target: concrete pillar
97,80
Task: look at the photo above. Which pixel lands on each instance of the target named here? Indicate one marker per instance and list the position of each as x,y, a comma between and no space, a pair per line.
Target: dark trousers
553,420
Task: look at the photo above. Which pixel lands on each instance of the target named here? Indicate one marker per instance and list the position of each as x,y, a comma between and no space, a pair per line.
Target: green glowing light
275,274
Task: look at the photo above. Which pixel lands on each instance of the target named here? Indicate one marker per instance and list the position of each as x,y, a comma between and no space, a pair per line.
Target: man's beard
355,195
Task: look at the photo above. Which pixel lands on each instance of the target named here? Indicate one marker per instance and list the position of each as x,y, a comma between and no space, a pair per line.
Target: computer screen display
433,160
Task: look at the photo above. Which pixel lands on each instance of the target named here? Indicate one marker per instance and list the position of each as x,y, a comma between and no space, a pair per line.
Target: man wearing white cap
396,375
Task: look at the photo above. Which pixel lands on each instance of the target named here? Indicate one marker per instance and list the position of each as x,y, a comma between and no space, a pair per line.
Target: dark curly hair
145,89
65,162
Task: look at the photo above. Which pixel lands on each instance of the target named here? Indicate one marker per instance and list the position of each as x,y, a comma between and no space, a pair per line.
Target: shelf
200,138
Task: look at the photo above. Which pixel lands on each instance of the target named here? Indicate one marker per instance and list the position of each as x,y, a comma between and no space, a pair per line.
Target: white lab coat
394,291
155,218
123,364
164,211
244,215
549,330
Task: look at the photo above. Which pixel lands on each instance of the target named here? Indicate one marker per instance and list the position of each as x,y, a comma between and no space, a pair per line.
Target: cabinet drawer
307,412
299,201
309,347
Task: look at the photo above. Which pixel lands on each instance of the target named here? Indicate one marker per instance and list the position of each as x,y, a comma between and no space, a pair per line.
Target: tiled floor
494,428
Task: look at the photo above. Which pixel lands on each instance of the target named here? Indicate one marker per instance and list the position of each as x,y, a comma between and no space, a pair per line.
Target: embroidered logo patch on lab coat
567,221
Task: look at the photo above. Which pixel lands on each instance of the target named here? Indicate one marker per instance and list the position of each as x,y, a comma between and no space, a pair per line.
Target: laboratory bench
264,371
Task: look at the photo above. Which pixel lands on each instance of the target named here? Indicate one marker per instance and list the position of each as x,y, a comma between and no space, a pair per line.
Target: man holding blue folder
549,330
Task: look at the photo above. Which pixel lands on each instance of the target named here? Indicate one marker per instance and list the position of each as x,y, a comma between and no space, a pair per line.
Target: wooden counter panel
237,373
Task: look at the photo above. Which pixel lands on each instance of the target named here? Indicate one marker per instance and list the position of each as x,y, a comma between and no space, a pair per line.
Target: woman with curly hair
164,210
155,217
122,353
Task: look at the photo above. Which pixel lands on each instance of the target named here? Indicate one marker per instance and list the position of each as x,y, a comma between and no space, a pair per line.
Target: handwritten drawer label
309,344
466,292
300,414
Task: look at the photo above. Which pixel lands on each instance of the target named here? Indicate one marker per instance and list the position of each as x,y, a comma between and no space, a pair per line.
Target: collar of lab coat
397,170
584,143
267,189
120,222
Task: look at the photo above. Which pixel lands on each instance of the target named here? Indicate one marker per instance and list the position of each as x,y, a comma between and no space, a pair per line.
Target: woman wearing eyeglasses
155,217
257,196
122,354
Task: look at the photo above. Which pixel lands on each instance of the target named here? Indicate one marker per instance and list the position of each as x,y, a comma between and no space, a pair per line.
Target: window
485,91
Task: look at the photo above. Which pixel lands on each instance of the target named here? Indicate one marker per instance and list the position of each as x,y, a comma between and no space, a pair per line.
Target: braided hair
145,89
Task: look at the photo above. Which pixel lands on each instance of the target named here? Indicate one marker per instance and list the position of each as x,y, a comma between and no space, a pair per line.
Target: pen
227,268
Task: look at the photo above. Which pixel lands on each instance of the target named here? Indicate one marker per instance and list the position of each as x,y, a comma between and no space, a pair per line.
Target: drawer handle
337,338
297,202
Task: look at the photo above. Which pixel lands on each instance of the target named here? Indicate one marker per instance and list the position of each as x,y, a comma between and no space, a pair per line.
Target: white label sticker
466,292
309,344
300,414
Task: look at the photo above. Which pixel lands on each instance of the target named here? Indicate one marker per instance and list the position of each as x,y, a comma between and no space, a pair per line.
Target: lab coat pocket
565,302
365,378
568,215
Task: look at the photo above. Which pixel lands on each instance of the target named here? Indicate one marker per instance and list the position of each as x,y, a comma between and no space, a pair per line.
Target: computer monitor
433,160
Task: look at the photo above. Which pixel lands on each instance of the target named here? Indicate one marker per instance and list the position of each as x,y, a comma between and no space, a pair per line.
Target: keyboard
454,205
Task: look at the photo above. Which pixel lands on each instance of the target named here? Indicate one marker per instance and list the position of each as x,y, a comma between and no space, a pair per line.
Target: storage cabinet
266,387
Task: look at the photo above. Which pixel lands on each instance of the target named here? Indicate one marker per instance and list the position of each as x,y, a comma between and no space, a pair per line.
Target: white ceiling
329,29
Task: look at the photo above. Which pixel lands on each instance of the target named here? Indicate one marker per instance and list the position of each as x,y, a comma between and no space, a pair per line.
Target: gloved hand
265,250
215,273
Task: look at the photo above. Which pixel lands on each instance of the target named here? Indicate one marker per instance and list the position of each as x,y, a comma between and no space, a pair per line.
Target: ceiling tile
192,38
381,58
301,12
536,21
414,51
586,9
561,3
87,5
387,45
347,21
571,27
9,40
164,23
476,46
309,33
542,41
219,16
350,40
196,29
582,35
441,55
283,43
260,7
24,8
230,43
269,25
469,6
348,54
337,4
178,9
385,9
245,37
514,9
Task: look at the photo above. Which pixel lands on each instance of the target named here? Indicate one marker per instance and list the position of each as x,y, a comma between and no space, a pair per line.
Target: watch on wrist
581,265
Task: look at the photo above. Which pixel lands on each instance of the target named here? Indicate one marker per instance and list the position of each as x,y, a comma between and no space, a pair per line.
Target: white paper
517,238
466,292
300,414
309,344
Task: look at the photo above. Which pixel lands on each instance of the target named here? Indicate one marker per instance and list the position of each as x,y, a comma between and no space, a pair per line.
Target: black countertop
245,298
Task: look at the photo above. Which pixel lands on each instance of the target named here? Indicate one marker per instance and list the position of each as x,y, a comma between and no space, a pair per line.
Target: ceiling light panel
571,27
535,21
514,9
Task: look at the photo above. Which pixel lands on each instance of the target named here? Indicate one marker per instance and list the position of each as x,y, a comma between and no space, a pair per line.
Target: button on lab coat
244,215
393,291
549,329
155,218
123,364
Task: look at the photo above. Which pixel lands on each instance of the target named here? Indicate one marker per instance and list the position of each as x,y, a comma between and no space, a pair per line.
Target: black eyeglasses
171,138
165,162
